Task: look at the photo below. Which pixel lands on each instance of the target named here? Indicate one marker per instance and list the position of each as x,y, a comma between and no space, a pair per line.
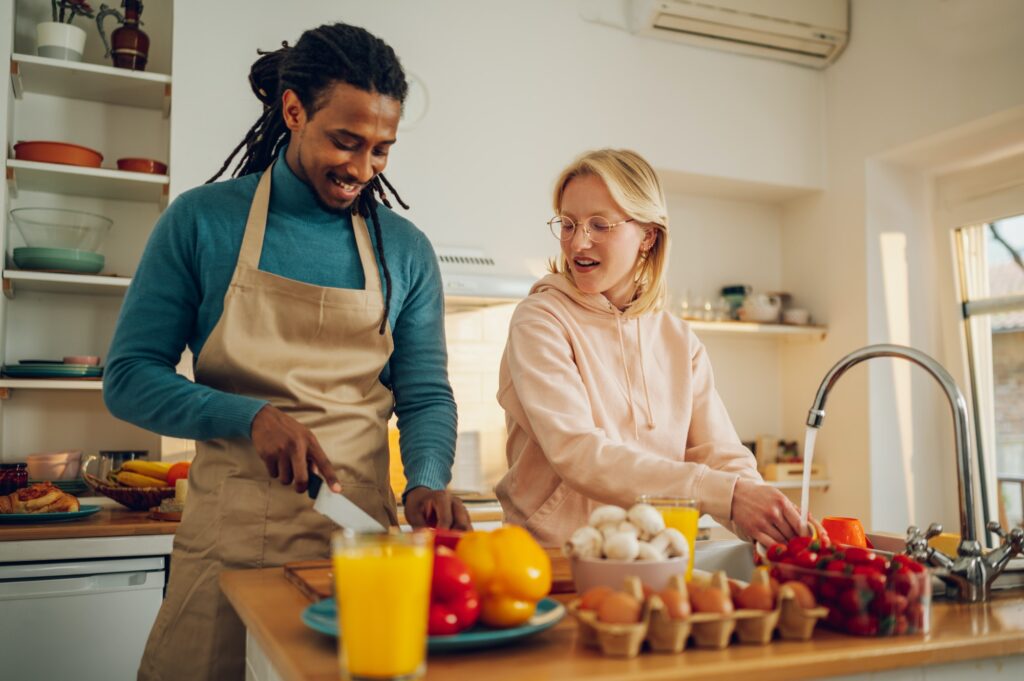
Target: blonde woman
607,396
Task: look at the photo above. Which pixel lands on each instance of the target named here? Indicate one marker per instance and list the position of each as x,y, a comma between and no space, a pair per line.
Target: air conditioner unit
808,32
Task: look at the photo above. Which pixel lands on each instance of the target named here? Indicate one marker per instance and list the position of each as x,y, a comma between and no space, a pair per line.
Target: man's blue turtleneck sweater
177,297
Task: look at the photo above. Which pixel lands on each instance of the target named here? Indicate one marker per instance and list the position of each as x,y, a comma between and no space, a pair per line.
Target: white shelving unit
99,183
54,282
796,484
787,331
91,82
114,111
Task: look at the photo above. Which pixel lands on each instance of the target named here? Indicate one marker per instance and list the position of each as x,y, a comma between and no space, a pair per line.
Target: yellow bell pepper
511,573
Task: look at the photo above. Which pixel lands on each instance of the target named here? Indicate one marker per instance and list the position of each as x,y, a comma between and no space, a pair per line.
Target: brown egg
591,598
619,608
774,584
802,594
676,603
711,600
734,589
756,597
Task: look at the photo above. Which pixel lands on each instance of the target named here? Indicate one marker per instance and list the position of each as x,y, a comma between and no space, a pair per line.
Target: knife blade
340,508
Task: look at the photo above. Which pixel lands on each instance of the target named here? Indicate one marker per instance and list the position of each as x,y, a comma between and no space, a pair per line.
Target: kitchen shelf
101,183
91,82
9,384
751,328
797,484
54,282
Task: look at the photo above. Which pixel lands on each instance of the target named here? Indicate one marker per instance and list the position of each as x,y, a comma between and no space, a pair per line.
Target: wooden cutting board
313,577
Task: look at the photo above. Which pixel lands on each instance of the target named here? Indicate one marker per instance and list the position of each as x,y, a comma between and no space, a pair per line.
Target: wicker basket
135,498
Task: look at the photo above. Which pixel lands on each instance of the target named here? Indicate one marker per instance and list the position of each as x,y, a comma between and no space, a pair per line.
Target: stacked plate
34,368
75,486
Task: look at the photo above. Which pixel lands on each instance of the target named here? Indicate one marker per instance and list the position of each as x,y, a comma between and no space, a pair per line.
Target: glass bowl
61,228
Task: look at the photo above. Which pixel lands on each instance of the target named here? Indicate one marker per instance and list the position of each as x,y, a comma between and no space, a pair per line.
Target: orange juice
382,585
681,514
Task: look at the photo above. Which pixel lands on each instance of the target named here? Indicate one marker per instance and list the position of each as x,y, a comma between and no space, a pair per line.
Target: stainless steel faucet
970,575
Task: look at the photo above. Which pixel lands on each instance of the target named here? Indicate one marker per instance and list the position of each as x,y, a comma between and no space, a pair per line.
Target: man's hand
288,448
764,513
425,507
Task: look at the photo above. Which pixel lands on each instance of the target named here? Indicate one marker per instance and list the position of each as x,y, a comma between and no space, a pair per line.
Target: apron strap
255,226
370,272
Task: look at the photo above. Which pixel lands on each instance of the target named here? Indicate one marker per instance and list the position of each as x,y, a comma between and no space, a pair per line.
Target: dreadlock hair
322,57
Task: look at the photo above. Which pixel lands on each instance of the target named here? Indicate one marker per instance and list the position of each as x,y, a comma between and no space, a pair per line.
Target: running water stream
805,490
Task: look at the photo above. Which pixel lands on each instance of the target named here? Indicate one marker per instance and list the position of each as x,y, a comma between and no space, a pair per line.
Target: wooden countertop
108,522
270,607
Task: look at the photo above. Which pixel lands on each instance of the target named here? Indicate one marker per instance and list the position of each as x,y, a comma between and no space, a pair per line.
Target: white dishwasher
78,619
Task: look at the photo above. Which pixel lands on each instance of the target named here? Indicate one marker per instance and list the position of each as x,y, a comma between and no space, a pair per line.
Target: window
991,264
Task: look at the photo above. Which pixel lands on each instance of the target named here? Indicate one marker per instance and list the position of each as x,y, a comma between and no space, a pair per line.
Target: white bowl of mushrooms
617,543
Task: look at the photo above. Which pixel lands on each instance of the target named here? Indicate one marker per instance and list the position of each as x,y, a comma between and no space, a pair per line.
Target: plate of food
42,502
323,617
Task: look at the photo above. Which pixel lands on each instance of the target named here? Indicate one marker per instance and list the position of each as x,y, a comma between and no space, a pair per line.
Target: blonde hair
634,186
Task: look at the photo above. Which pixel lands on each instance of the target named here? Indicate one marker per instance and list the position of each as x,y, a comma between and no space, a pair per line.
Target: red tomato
855,554
178,471
889,603
454,605
903,581
854,601
797,544
777,552
862,625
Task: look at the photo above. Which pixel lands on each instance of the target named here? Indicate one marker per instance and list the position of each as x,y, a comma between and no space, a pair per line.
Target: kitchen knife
340,508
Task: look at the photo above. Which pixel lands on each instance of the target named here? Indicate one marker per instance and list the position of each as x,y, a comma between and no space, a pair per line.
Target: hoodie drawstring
629,383
643,378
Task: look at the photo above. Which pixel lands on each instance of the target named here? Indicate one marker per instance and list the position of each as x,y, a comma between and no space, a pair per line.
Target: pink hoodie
601,407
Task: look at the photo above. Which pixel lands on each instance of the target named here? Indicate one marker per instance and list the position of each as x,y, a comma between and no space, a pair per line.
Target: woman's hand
425,507
764,513
287,448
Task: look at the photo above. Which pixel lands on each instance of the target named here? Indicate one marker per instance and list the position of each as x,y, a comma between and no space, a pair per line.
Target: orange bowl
142,165
58,152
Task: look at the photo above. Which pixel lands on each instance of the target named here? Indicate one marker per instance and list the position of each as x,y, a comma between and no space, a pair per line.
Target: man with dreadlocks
309,330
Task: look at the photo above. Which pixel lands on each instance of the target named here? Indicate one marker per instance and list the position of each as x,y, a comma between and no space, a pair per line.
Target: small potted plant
59,39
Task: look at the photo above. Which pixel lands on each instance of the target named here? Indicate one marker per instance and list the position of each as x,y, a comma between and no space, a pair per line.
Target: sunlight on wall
893,247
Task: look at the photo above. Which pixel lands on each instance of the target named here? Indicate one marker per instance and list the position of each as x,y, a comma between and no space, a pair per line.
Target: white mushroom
674,541
622,546
608,530
586,542
603,515
626,526
649,552
648,519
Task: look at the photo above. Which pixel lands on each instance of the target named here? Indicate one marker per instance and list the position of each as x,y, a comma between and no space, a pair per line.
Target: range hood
471,280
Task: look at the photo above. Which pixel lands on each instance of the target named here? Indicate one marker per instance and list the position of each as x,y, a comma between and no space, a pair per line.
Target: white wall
913,70
516,90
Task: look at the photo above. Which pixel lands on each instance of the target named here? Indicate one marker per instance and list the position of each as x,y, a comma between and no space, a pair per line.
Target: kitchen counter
281,647
108,522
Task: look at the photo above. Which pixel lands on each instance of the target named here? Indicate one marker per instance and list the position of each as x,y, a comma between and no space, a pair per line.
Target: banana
137,480
152,469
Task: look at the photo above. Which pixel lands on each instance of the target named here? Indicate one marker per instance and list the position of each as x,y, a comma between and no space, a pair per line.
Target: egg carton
708,630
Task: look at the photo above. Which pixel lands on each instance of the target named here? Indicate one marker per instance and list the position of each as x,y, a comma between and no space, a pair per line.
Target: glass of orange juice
382,587
680,513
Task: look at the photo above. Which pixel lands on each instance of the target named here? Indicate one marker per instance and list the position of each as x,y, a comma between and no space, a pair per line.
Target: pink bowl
589,572
88,360
55,466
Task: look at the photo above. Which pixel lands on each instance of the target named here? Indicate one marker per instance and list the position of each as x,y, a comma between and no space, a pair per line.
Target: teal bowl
61,259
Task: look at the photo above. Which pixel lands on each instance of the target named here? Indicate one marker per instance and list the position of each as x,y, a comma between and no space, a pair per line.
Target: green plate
23,518
65,259
323,617
52,371
74,486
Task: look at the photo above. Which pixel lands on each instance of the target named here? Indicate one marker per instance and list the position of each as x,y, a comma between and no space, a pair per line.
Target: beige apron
315,353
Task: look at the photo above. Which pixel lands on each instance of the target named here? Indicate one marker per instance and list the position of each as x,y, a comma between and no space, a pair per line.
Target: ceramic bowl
58,259
654,574
87,360
58,152
796,316
142,165
54,466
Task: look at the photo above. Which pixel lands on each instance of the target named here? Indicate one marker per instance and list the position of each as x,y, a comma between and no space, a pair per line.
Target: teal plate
63,259
83,511
75,486
52,371
323,617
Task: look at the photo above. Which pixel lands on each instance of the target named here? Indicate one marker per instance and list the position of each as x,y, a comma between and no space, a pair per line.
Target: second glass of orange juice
382,587
680,513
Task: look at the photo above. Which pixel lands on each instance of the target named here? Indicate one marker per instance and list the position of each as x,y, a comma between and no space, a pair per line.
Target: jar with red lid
13,476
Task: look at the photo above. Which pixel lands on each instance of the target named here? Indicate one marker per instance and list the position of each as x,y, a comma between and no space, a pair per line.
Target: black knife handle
315,481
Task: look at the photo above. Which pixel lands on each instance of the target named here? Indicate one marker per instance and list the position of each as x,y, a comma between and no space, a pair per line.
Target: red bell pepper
454,603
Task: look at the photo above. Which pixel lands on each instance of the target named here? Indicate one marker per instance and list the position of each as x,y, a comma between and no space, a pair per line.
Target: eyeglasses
595,227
